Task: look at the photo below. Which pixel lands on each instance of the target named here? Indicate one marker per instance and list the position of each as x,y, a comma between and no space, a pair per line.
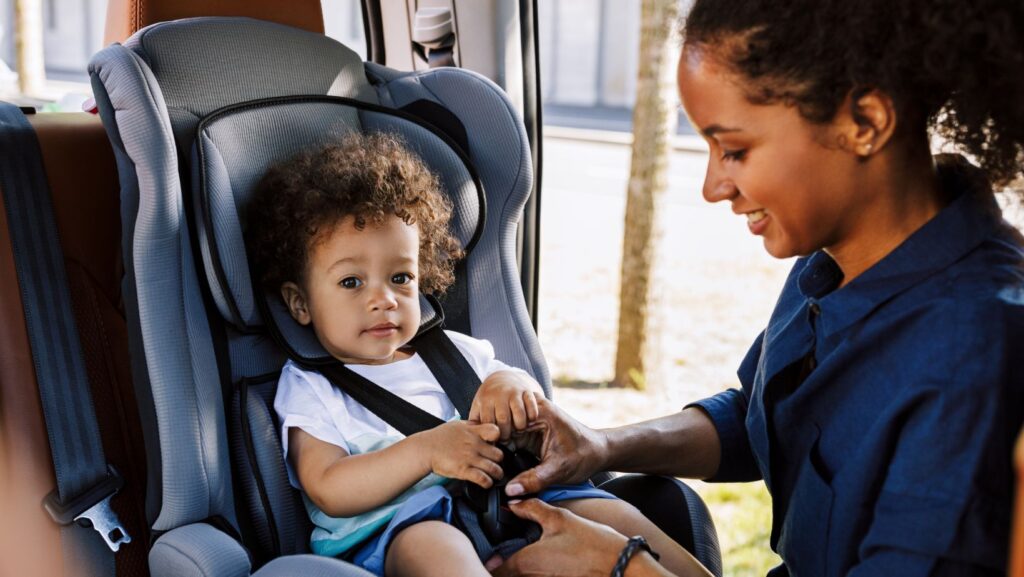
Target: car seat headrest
235,146
204,64
126,17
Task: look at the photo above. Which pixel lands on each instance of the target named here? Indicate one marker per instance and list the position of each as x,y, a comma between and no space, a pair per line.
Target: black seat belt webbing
85,482
445,361
404,416
448,365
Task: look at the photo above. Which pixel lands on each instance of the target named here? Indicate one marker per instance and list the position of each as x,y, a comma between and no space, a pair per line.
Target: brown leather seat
125,17
80,168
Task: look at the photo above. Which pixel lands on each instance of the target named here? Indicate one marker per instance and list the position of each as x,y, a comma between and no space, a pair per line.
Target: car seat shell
146,91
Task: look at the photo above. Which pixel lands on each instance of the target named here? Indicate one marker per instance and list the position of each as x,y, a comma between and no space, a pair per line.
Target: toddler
350,234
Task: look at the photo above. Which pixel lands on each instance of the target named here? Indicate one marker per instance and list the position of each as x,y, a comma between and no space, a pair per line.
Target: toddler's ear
295,299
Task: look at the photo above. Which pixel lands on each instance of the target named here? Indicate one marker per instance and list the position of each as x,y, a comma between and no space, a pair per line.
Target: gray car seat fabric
197,109
199,550
498,146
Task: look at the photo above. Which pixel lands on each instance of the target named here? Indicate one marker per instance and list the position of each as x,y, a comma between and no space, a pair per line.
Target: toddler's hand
465,450
507,399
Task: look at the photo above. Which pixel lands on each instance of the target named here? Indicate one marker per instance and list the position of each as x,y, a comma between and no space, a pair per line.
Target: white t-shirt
307,400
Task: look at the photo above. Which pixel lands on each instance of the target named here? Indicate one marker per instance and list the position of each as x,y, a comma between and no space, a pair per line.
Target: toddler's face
361,290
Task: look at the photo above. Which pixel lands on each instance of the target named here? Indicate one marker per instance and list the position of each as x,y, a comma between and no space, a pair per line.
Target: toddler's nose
383,298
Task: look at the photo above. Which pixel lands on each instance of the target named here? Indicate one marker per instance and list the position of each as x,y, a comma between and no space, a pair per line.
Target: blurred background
713,286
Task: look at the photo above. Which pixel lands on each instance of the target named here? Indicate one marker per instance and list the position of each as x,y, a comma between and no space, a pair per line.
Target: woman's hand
463,450
569,451
570,546
508,399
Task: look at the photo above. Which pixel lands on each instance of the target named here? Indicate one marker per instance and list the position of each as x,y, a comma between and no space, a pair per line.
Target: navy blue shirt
882,415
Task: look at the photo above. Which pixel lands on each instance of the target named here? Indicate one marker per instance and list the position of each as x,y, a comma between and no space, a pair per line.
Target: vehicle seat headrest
126,17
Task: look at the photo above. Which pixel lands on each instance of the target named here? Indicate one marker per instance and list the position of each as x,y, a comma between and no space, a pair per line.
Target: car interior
142,213
138,363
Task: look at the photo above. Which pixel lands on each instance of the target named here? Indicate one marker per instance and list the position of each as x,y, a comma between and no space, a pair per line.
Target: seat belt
444,360
91,532
450,367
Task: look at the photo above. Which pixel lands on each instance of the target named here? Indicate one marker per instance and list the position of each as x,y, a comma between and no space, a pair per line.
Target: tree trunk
28,42
653,115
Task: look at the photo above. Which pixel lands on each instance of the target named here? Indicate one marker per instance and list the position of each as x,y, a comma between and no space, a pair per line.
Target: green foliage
637,380
743,517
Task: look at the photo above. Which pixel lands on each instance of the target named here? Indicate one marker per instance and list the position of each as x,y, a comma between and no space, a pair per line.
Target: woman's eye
734,154
402,278
351,282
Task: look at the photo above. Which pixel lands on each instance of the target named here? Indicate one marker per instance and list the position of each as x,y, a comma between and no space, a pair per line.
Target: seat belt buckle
92,509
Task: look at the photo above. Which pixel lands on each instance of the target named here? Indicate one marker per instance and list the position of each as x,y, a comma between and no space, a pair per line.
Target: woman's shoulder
970,333
985,288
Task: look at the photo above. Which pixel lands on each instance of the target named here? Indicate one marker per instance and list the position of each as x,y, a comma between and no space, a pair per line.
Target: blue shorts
435,504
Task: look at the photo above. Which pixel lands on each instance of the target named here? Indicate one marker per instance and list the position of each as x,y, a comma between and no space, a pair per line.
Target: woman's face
789,178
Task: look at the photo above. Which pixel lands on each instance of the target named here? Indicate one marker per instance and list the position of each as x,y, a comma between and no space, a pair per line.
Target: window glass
343,21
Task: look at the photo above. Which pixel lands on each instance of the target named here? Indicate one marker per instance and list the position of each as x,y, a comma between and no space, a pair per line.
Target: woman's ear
866,121
295,299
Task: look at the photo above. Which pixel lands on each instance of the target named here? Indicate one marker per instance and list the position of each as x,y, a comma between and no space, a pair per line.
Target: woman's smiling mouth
757,221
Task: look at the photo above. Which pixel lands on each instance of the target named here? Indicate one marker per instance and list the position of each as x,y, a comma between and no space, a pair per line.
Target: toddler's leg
432,548
628,520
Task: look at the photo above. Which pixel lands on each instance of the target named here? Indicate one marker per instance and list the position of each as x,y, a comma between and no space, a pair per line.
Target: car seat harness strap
444,360
407,418
85,481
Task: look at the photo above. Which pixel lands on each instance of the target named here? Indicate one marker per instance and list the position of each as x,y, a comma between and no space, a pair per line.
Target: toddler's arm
344,485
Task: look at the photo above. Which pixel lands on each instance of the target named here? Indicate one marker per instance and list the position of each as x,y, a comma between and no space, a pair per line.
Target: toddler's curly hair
368,177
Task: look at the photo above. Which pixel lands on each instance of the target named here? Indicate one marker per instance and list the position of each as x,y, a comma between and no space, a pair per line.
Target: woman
881,402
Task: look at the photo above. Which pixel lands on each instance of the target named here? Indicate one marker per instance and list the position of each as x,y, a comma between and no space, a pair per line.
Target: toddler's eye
351,282
402,278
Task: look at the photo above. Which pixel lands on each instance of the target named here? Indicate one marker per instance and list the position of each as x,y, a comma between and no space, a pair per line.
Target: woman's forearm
684,444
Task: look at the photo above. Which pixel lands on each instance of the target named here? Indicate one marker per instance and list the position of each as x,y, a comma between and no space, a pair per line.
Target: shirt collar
971,216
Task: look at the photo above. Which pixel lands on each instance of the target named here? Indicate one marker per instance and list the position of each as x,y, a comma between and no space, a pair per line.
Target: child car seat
197,109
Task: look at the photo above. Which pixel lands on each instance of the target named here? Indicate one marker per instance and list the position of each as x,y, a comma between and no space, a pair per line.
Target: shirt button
815,309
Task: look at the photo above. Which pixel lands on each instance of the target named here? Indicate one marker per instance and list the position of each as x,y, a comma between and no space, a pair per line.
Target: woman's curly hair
952,66
368,177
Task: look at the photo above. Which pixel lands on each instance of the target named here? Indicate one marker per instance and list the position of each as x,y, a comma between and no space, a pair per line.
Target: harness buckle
92,508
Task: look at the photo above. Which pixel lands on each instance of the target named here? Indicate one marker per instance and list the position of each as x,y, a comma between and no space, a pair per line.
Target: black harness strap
404,416
448,365
445,361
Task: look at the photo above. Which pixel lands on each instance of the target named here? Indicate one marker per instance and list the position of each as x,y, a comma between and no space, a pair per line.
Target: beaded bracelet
634,543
